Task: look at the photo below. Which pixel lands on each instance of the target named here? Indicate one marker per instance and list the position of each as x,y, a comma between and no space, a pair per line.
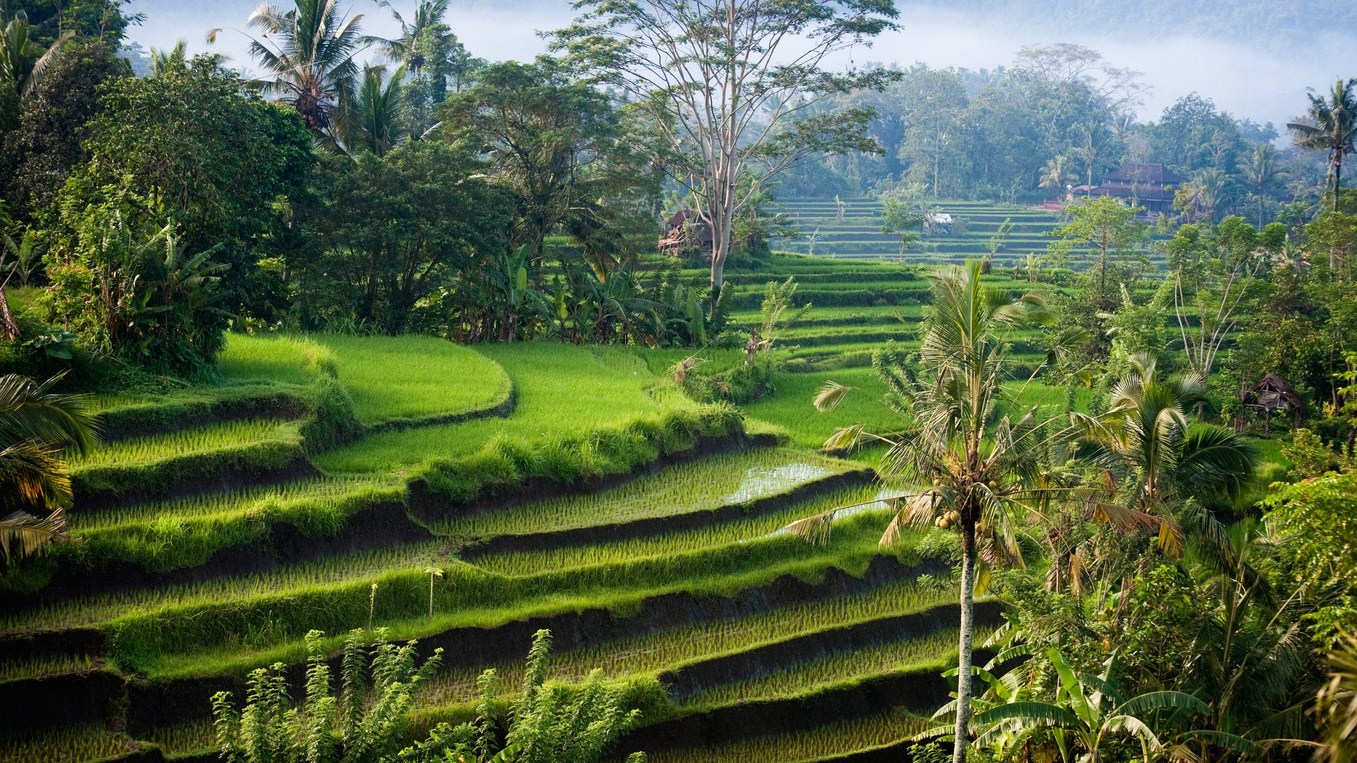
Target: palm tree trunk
963,681
1337,178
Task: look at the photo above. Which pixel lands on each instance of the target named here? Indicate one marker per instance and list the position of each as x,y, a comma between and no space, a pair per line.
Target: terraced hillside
415,489
857,235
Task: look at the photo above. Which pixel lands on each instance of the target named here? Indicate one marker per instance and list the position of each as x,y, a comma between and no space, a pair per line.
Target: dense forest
334,392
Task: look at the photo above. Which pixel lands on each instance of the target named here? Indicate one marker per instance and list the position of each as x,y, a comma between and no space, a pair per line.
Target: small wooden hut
1271,394
685,232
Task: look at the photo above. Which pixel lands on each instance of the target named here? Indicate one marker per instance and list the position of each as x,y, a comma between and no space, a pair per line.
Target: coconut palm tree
37,426
424,30
164,60
1262,172
1160,464
975,464
22,63
1330,126
374,119
1056,174
309,54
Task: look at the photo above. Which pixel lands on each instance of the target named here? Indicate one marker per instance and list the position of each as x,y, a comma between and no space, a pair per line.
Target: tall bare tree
733,86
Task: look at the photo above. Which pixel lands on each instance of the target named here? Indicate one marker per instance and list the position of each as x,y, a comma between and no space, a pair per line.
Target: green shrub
332,421
550,723
366,721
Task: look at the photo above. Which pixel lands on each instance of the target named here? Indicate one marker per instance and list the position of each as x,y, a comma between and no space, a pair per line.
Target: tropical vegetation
435,355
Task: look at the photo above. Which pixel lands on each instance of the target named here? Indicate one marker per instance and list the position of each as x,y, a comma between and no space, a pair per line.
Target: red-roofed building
1141,184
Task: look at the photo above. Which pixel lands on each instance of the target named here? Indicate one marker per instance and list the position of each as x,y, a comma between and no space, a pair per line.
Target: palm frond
846,438
815,529
1224,740
22,534
830,395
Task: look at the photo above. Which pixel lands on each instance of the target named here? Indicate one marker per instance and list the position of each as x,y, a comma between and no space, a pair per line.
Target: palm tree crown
426,27
310,59
1330,125
22,60
1165,466
36,427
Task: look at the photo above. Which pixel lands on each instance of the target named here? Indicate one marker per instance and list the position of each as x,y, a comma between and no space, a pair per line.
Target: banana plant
1089,714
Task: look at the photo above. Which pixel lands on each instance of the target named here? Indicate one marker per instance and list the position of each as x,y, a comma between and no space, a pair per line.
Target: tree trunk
721,222
963,681
8,327
1337,179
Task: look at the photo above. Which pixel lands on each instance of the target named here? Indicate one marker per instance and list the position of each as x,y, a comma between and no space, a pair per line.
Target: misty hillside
1264,22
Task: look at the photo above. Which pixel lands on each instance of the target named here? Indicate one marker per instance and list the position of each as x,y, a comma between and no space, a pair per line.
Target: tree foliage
731,86
46,145
185,180
1331,126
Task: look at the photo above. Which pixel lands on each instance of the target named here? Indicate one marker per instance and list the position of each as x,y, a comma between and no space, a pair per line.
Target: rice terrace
681,392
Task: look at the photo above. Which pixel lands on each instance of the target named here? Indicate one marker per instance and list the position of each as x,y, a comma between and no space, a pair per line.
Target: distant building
685,233
1142,184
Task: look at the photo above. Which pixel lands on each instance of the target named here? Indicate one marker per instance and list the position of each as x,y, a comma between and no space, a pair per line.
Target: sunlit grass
842,665
51,665
668,648
414,377
233,501
561,391
876,730
669,543
226,434
100,609
790,406
704,485
274,357
88,741
239,634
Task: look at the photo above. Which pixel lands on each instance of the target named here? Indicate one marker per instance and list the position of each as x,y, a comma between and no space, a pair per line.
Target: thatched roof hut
1274,393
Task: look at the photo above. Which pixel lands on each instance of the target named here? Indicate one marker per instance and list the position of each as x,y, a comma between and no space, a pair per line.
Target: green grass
184,738
99,610
705,485
404,379
51,665
839,666
287,359
233,501
660,650
669,543
219,436
876,730
88,741
241,634
562,391
409,378
790,407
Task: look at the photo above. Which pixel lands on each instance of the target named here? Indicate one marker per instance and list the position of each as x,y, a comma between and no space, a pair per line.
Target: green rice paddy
222,576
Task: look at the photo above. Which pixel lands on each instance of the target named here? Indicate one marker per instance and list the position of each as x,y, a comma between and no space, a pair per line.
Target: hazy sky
1263,85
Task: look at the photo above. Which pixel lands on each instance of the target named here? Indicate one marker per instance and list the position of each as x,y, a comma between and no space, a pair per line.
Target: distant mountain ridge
1266,22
